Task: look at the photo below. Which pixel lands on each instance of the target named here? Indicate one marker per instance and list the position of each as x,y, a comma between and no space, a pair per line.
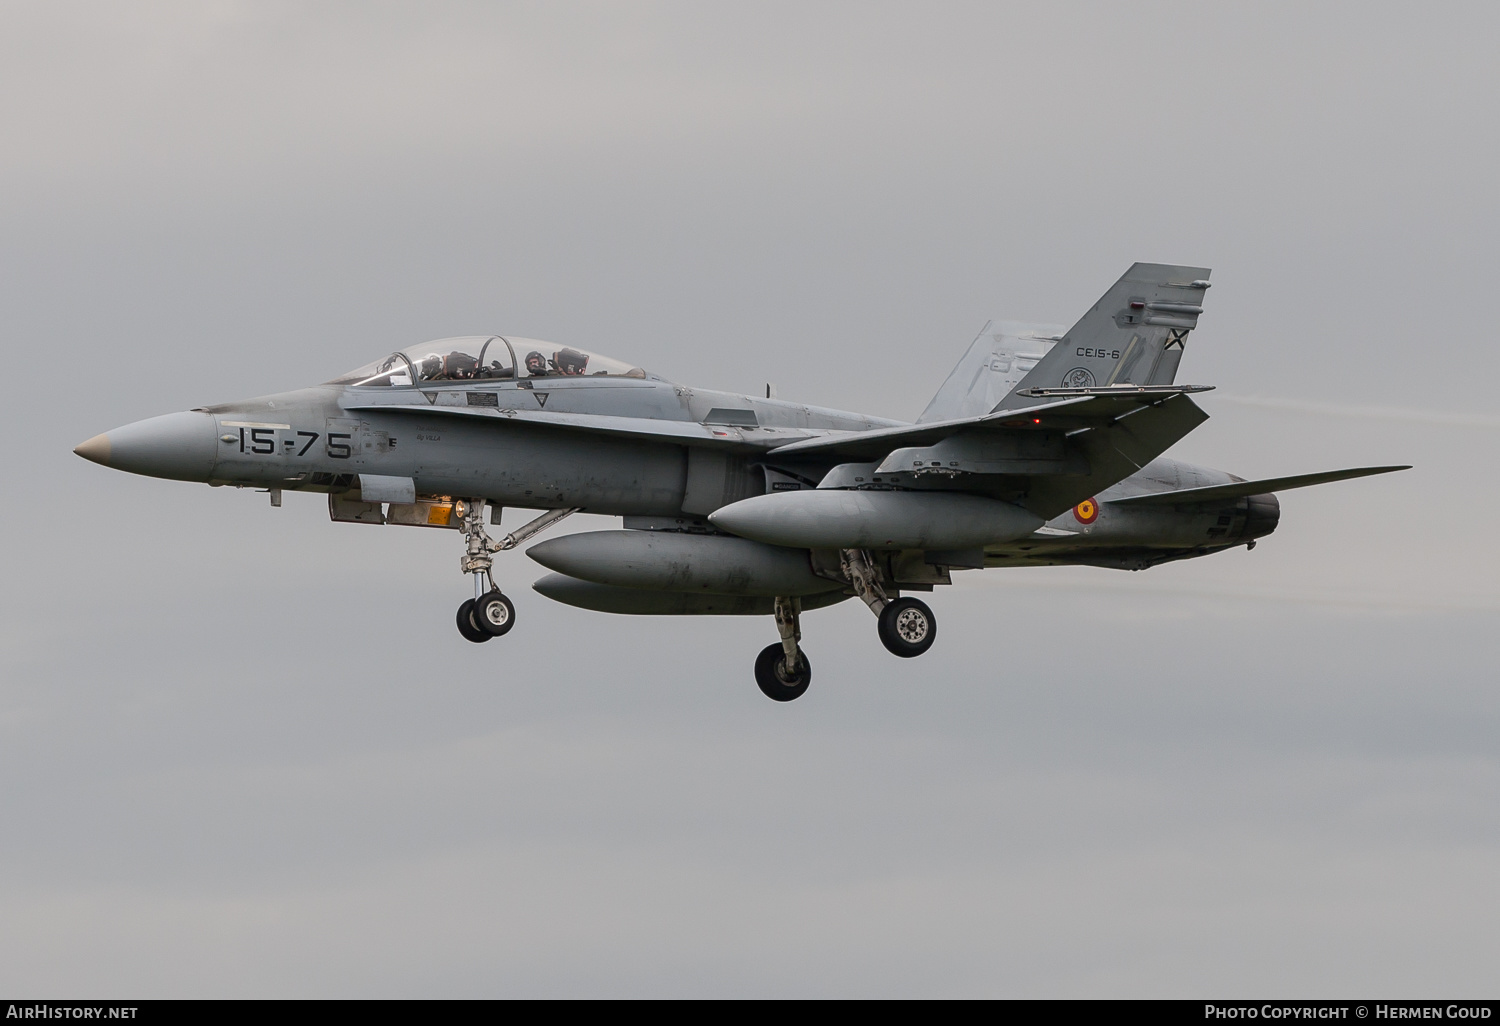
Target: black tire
466,625
907,627
494,614
770,674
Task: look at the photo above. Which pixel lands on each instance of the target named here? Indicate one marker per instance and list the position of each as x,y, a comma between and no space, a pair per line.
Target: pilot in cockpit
536,365
570,362
461,366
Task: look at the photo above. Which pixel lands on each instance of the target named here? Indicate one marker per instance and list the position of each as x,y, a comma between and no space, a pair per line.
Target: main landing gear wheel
774,681
907,627
494,614
466,625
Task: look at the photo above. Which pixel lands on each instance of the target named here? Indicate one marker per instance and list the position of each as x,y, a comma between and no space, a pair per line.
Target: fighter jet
1042,447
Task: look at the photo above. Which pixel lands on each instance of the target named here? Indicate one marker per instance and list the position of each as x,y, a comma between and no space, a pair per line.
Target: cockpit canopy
485,358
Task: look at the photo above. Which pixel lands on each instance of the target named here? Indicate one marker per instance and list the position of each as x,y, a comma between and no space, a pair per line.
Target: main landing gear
489,614
906,626
782,670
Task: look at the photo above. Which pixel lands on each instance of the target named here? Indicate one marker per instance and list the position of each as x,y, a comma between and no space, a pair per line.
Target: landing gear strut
489,613
782,670
906,626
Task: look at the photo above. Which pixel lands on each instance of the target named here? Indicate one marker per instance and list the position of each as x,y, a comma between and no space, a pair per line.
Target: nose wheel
494,614
466,625
488,616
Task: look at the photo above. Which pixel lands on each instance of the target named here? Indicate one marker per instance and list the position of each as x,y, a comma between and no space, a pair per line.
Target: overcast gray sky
243,751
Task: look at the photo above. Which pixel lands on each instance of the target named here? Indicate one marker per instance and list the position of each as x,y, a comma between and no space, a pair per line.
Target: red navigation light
1036,420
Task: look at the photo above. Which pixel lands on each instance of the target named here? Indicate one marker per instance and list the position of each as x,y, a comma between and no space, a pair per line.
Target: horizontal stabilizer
1240,489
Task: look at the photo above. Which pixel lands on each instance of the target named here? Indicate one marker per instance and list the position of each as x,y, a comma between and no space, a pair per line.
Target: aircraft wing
1078,407
1240,489
1053,454
687,432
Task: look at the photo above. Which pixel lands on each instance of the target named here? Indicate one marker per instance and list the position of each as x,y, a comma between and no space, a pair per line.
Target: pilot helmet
460,365
570,361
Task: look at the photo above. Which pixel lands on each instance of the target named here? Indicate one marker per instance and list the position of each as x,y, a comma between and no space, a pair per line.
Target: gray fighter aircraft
1043,447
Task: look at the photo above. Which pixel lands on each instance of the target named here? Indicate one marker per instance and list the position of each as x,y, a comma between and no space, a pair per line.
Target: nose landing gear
489,614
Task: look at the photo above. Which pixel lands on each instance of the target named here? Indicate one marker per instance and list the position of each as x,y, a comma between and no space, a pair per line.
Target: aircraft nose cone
95,449
180,446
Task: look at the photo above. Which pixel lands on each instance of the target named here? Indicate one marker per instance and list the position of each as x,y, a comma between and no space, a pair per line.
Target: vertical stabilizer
1134,335
1003,354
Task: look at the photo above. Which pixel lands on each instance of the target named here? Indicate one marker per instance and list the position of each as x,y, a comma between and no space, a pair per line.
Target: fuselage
323,438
